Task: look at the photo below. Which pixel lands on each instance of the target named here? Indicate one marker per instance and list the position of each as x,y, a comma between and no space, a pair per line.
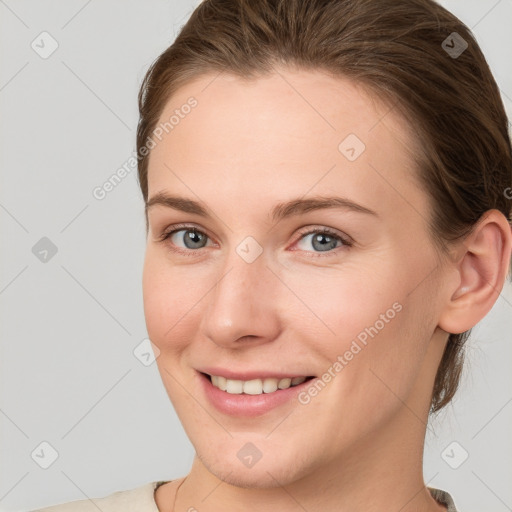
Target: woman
327,189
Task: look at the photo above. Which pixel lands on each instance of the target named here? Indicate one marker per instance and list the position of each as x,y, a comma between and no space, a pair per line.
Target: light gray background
69,326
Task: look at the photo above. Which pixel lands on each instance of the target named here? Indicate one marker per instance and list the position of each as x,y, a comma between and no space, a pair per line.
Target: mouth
256,386
251,392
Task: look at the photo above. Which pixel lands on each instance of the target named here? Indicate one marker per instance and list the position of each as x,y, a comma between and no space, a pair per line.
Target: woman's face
259,170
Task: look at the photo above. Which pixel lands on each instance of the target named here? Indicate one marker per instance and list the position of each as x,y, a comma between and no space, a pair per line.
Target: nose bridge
239,305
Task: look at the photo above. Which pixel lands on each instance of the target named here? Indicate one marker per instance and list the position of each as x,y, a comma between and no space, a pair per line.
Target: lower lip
248,405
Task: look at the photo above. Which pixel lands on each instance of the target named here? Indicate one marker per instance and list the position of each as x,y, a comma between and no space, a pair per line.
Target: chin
265,477
277,466
249,480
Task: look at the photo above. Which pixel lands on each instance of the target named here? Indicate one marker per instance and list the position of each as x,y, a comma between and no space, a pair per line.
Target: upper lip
249,374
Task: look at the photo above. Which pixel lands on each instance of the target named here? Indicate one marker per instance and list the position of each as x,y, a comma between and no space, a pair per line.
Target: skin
247,146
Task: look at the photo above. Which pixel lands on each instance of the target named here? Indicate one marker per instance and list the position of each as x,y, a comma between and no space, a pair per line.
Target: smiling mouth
254,386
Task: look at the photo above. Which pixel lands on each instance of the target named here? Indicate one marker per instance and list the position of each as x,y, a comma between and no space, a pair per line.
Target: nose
243,304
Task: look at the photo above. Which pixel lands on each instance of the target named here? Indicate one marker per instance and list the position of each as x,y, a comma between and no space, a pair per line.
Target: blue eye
188,239
322,240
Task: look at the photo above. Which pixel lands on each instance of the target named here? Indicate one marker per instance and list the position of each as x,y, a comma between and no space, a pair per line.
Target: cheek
369,330
337,305
168,303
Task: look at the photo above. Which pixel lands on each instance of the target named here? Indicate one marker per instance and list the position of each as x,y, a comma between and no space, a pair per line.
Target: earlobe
482,269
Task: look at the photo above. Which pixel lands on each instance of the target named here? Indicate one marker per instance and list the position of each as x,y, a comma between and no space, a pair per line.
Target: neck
381,472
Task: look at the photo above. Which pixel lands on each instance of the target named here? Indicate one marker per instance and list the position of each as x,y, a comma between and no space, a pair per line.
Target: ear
481,269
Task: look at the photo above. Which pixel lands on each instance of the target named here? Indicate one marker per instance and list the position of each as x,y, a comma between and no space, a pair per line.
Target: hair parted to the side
392,47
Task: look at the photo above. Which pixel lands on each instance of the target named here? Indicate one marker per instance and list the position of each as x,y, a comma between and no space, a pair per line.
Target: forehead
281,136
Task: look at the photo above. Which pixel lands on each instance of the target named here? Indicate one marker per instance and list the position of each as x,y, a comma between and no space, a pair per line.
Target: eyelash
346,241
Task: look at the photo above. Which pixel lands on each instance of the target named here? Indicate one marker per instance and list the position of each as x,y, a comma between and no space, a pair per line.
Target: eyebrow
279,212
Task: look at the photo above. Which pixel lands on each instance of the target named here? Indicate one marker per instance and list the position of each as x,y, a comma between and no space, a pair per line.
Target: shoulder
139,499
444,498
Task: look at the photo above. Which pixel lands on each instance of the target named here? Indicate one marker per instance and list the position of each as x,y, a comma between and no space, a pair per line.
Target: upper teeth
255,386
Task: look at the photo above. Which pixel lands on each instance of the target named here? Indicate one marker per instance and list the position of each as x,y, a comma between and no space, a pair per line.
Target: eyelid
164,238
346,240
178,227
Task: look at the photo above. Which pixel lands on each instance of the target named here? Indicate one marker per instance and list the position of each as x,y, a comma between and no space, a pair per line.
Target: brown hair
406,52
